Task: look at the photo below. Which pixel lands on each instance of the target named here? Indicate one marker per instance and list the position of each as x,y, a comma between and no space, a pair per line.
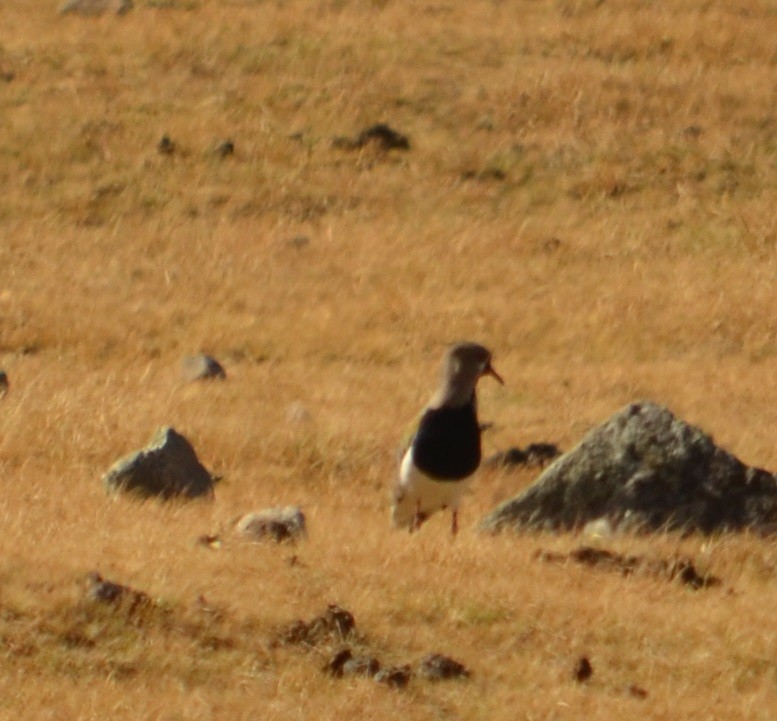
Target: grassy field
590,192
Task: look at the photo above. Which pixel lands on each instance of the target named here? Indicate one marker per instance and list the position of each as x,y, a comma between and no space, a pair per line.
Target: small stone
5,386
598,530
224,149
551,244
394,676
538,454
165,146
637,691
384,136
277,524
380,136
535,454
299,241
99,590
167,467
507,459
298,414
437,667
486,123
96,7
583,670
202,367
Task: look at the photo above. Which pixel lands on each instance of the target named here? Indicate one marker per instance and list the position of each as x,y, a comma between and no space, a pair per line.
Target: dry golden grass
590,192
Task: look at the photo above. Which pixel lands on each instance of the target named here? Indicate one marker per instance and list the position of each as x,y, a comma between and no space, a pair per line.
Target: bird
445,450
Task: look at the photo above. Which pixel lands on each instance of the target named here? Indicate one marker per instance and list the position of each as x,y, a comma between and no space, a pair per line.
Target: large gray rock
167,467
645,469
96,7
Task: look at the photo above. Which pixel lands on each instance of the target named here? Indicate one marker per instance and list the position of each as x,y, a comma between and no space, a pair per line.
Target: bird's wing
407,438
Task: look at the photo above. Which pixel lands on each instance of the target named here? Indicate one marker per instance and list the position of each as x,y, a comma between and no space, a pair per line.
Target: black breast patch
447,444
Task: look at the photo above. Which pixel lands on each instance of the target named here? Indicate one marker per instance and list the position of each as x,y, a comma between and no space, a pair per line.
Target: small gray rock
99,590
202,367
297,414
96,7
167,467
283,523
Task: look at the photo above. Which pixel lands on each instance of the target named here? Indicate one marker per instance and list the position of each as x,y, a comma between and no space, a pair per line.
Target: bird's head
464,364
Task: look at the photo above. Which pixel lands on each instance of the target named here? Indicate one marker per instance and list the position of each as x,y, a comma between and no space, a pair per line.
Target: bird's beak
489,371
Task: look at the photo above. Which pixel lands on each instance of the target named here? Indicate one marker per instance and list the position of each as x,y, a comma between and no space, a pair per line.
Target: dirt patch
357,658
335,624
677,568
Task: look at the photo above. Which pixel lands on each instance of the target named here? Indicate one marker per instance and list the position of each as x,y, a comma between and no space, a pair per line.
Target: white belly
417,493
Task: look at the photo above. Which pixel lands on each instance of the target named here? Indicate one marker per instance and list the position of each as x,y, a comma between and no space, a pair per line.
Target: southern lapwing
445,450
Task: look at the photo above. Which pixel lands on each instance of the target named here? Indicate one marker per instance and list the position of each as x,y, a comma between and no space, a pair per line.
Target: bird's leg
455,523
416,524
419,518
